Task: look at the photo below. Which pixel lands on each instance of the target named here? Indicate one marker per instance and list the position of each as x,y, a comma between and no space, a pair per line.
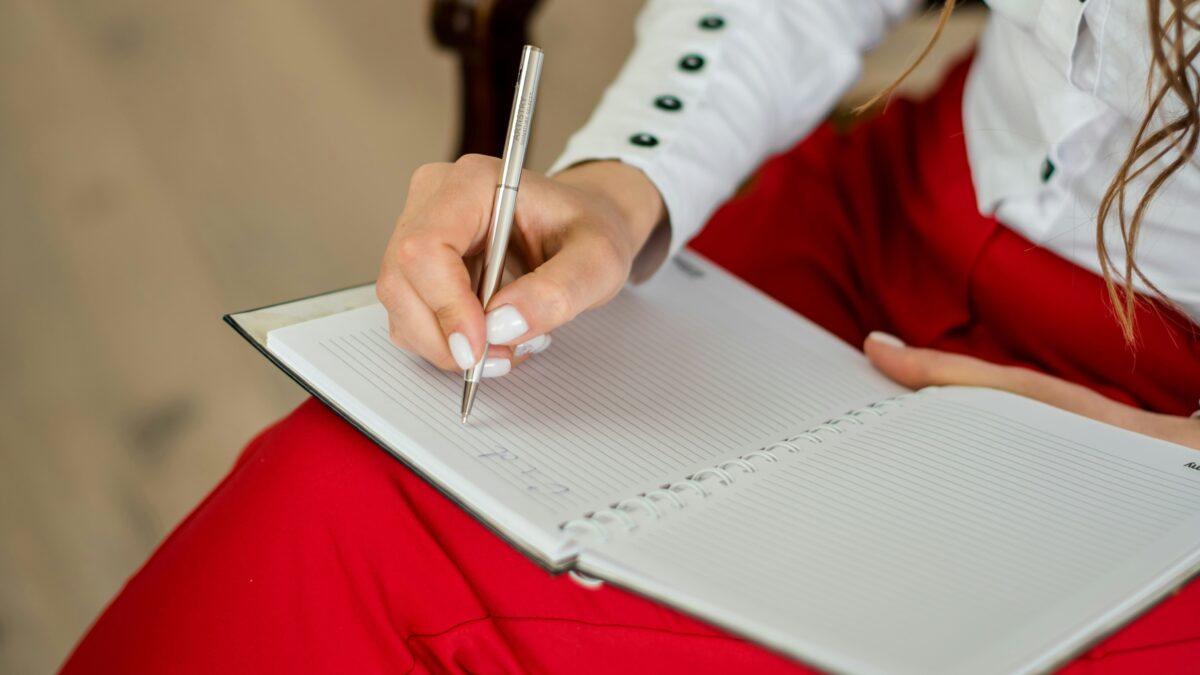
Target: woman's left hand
916,368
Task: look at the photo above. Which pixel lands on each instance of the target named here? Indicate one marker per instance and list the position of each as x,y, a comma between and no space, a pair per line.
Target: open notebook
698,443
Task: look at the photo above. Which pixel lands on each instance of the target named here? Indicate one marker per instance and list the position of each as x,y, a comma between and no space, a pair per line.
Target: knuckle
420,177
426,175
425,179
610,259
556,300
472,159
407,250
384,287
446,314
474,163
389,287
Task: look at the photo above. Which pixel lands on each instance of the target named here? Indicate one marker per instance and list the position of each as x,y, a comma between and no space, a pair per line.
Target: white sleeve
713,88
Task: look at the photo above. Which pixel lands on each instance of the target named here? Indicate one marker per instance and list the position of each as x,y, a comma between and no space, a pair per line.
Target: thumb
586,272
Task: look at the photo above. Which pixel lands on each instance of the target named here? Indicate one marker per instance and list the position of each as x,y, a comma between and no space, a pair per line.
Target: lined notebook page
688,369
970,531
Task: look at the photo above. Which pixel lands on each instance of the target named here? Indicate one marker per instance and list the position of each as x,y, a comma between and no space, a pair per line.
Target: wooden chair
488,36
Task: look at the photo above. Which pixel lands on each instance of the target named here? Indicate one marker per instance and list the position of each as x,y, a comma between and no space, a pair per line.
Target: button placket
689,63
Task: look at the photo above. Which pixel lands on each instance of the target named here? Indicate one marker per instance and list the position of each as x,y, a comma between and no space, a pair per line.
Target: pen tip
468,400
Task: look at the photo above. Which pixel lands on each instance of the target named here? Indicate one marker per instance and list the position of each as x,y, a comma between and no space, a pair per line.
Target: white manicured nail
493,367
460,349
505,324
886,338
536,345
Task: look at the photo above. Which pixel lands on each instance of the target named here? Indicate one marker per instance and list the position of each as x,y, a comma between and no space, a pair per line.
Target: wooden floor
162,163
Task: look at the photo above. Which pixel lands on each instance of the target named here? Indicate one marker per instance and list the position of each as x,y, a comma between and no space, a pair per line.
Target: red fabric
320,553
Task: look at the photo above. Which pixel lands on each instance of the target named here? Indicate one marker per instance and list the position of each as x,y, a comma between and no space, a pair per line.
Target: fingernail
493,367
505,324
886,338
460,349
536,345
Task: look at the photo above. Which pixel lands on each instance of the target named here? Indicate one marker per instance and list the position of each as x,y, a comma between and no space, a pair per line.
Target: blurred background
164,163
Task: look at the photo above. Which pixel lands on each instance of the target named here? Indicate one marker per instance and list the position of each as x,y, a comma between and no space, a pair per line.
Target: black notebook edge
533,554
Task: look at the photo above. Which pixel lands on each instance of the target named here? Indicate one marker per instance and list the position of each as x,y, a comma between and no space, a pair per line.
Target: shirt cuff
713,88
656,110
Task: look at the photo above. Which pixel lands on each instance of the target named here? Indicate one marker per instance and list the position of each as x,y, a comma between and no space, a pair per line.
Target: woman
1031,227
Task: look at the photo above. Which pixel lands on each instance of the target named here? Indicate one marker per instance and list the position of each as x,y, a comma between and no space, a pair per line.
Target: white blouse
1054,97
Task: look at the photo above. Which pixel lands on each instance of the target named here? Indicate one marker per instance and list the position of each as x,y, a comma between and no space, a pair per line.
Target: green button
644,140
691,62
668,103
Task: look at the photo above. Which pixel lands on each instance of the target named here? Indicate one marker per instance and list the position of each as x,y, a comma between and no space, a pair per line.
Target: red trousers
321,553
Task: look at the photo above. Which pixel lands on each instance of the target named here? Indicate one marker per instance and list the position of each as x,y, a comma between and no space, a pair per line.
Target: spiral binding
621,514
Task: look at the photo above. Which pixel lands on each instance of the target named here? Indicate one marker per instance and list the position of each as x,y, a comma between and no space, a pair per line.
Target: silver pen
505,202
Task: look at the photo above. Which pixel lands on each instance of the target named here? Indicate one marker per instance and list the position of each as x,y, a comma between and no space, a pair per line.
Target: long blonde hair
1172,71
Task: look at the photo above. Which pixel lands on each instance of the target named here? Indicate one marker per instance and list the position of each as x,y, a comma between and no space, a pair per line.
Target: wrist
629,191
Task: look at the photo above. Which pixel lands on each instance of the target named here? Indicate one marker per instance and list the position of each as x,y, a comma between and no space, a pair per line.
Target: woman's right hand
577,233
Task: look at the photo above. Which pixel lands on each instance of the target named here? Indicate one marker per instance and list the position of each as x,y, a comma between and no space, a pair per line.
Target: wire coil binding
651,502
